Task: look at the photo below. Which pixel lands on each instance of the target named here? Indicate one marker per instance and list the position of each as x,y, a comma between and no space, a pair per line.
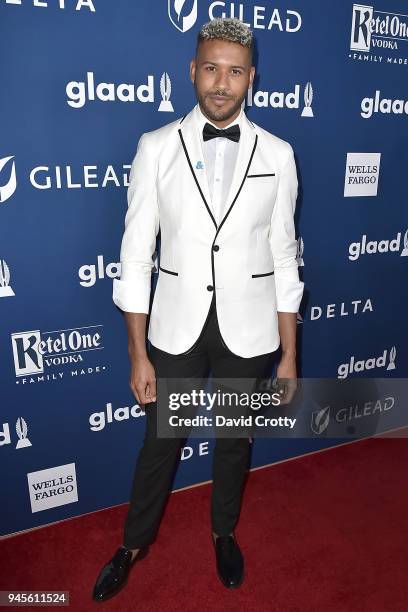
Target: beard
219,114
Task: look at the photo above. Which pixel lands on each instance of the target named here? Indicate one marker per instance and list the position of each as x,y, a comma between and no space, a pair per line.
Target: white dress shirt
220,155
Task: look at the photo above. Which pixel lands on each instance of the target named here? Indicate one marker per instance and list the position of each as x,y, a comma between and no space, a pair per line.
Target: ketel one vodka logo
5,289
182,14
8,184
34,351
380,29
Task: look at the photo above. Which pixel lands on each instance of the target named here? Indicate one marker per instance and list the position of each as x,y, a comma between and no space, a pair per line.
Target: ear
192,70
251,76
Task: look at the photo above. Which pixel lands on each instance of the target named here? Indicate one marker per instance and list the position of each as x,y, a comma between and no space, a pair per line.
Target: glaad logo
373,30
378,246
181,20
345,369
362,172
21,430
278,99
299,251
320,420
8,188
5,289
165,91
79,92
386,106
52,487
90,273
77,5
98,420
33,351
308,98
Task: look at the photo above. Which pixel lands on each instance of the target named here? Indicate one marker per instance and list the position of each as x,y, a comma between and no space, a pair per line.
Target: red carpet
326,532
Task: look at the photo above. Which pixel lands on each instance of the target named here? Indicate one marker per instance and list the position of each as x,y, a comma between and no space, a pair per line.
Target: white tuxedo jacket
248,259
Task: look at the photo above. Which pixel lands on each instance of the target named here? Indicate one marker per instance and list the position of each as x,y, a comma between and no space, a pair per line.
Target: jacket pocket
260,175
264,274
168,271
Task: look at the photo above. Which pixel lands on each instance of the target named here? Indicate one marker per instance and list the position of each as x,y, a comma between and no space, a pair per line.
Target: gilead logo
8,187
259,17
83,177
182,14
62,177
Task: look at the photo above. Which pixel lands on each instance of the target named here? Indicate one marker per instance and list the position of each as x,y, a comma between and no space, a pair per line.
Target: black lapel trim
240,187
168,271
264,274
195,178
222,222
216,234
183,117
256,175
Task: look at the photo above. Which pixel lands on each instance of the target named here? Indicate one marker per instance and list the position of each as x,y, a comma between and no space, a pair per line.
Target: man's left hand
287,378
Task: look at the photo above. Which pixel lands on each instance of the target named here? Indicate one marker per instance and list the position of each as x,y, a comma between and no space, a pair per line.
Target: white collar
201,119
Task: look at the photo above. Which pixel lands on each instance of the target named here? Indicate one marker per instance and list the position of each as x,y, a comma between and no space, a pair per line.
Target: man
222,192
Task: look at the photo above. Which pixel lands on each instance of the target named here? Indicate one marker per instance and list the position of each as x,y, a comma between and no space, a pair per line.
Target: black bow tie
233,132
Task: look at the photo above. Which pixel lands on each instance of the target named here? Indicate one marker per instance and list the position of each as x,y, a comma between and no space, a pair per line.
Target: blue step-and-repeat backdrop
80,82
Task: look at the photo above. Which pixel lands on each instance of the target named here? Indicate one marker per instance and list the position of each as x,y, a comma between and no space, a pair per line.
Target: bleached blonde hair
227,28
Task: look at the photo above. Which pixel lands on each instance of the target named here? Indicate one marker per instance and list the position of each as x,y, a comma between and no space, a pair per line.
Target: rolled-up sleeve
289,288
132,291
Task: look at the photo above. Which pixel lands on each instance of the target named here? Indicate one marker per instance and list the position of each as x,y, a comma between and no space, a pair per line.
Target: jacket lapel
192,146
246,149
191,143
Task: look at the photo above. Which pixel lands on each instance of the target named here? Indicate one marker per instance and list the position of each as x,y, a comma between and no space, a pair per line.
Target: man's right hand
143,380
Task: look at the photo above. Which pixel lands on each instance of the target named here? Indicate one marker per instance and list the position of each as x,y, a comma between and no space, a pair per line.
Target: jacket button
216,247
210,288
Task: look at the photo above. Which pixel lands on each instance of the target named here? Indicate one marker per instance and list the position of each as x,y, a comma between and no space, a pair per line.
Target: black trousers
158,457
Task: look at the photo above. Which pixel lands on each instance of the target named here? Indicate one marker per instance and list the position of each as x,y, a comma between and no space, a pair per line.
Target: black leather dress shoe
114,574
230,562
